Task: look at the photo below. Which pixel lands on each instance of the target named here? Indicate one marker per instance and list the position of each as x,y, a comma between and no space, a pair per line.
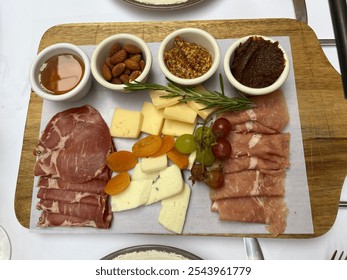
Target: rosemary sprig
211,99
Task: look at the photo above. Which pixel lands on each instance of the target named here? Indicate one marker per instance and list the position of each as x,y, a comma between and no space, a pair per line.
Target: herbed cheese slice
135,195
152,164
173,211
180,112
126,124
153,119
138,174
160,102
198,107
177,128
169,183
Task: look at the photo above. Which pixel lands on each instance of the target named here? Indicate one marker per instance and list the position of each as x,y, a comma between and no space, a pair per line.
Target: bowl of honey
61,72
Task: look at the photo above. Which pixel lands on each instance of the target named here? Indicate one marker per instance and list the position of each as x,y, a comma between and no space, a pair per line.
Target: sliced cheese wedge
159,102
198,107
173,211
138,174
177,128
135,195
149,165
169,183
153,119
180,112
126,124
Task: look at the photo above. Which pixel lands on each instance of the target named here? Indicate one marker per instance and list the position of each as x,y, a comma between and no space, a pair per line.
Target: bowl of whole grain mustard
256,65
189,56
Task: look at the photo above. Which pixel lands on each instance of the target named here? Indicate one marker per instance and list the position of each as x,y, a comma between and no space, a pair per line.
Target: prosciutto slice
250,183
271,211
271,111
92,186
73,146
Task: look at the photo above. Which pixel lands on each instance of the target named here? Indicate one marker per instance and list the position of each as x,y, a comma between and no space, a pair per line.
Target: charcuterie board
320,99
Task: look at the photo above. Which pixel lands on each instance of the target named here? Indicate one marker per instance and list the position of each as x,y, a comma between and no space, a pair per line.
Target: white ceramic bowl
77,93
249,90
102,50
191,35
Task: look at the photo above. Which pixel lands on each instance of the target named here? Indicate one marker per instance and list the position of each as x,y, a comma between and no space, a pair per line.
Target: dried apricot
181,160
117,183
147,146
168,142
121,161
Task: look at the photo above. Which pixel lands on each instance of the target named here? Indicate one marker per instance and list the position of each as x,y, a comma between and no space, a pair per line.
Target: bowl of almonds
120,59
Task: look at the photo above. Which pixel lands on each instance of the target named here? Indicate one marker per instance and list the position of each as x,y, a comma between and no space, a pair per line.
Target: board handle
338,11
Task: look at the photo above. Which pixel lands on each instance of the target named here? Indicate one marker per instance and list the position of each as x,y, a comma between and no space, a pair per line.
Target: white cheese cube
180,112
160,102
152,164
135,195
173,211
197,107
177,128
138,174
126,124
153,119
169,183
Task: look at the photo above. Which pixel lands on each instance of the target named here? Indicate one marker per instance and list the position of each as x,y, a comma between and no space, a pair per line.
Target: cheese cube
126,124
152,164
180,112
173,210
135,195
198,107
191,160
160,102
138,174
177,128
153,119
169,183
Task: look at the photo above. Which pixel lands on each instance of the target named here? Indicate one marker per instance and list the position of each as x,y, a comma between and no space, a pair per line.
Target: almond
106,72
116,81
142,64
125,78
115,48
132,49
136,57
118,69
134,75
119,56
131,64
108,62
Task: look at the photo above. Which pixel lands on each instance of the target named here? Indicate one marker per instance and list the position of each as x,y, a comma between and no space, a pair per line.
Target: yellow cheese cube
197,107
126,124
177,128
160,102
173,210
180,112
153,119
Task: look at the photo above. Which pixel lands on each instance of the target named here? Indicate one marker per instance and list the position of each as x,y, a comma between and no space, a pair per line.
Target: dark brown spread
257,63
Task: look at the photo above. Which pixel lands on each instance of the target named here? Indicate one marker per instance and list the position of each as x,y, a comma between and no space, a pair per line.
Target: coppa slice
74,146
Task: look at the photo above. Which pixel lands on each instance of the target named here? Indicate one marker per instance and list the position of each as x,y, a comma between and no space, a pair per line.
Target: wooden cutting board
323,109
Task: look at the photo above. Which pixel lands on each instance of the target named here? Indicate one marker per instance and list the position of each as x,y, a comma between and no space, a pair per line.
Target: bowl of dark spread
61,72
256,65
189,56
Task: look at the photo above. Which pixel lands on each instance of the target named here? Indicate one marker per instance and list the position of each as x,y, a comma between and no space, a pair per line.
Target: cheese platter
108,30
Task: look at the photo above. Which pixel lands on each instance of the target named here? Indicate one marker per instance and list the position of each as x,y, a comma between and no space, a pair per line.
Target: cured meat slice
250,183
271,111
73,146
92,186
59,220
271,147
271,211
253,163
73,197
97,214
253,126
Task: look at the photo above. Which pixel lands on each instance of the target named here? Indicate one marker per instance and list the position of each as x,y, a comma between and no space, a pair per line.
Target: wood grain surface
323,109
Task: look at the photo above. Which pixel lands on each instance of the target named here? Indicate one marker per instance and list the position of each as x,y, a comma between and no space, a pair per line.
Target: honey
61,73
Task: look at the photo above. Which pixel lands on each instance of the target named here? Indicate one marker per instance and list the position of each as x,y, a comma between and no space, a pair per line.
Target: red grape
214,178
221,128
221,149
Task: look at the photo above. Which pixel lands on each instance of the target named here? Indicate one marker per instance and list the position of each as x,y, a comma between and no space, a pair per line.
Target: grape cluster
210,143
